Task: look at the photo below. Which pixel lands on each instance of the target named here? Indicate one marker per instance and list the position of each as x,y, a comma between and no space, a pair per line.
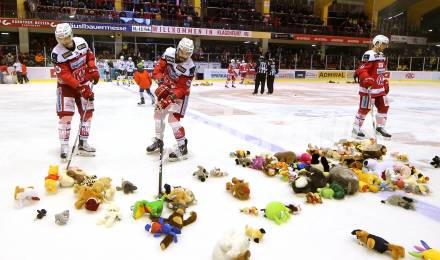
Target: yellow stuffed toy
51,180
368,181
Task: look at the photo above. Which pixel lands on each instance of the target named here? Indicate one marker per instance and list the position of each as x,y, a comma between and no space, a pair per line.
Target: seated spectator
39,59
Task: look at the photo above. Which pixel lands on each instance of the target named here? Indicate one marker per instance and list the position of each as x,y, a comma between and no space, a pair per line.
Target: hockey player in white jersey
120,70
129,66
106,66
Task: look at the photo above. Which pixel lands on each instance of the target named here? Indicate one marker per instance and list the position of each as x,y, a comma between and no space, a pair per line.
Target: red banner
17,22
330,38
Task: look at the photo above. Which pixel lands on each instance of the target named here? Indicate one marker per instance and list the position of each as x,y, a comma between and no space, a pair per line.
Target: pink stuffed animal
306,158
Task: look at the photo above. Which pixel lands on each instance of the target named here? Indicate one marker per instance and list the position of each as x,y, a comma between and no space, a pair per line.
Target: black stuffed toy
436,162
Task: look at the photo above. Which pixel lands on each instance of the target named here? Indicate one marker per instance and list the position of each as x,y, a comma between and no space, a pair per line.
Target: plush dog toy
89,197
62,218
127,187
436,162
216,172
379,244
176,219
426,252
51,180
239,189
23,195
112,216
233,246
255,234
400,201
201,174
277,212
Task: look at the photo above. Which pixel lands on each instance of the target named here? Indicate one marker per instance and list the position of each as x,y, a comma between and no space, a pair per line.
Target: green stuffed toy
154,208
277,212
326,192
339,192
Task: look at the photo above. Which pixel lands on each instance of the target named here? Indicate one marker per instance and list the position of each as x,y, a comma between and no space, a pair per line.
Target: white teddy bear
232,246
112,216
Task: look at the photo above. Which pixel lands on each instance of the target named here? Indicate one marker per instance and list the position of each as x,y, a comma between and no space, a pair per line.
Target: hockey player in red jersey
243,69
231,74
173,74
76,71
373,88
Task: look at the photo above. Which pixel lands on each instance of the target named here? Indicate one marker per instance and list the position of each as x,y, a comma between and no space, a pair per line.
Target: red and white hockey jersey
71,65
371,74
244,67
178,76
231,69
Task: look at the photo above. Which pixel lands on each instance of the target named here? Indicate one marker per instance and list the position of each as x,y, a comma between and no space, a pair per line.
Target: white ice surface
218,121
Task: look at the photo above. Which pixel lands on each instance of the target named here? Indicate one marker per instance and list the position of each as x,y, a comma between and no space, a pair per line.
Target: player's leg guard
381,116
179,134
159,124
64,126
364,108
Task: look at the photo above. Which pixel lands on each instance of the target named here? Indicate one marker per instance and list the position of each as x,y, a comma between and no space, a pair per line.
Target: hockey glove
386,86
165,102
162,92
367,82
86,92
93,74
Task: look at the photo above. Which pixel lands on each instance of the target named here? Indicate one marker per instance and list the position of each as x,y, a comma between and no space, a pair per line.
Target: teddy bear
127,187
179,197
176,219
302,182
373,151
400,157
89,197
379,244
216,172
51,180
372,180
436,162
287,157
240,154
80,177
104,186
243,161
239,189
345,177
23,195
305,158
320,163
255,234
277,212
62,218
313,198
201,173
65,180
111,217
233,246
373,166
258,162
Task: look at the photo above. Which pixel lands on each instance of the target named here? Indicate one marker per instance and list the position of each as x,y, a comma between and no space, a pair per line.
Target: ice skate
155,146
142,102
357,133
181,153
64,152
84,149
380,131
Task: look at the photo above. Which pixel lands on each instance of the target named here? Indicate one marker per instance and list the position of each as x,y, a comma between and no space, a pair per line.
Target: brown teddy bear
104,186
90,197
176,220
239,189
180,198
80,176
287,157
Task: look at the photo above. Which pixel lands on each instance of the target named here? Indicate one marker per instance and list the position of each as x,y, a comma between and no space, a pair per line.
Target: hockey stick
372,115
79,132
161,144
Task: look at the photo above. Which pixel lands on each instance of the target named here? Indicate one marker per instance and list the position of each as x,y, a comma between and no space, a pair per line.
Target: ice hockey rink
218,121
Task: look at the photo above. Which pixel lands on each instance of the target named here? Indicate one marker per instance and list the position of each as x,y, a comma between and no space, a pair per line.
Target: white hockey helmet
63,33
242,61
185,48
121,58
380,39
129,58
232,61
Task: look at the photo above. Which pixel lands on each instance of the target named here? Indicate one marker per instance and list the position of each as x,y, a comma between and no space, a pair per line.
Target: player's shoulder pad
58,54
187,67
80,43
169,54
373,56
